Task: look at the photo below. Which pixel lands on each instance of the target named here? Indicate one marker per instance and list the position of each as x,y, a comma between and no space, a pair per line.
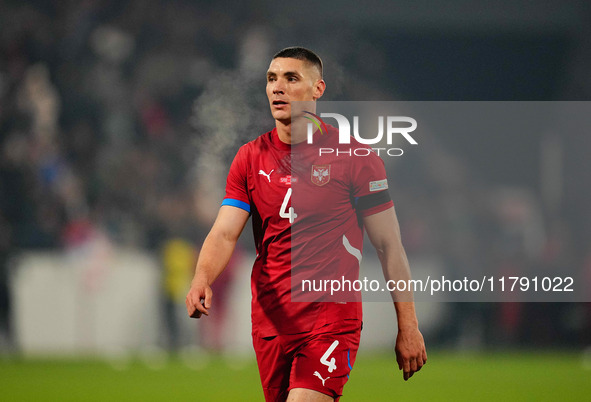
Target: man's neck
284,131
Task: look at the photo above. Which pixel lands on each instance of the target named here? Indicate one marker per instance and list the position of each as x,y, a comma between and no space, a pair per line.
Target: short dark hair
301,53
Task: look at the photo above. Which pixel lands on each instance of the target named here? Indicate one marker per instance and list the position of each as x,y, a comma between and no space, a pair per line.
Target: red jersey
305,223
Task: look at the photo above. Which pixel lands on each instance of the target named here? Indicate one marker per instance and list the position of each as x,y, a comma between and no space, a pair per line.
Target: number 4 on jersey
324,359
283,212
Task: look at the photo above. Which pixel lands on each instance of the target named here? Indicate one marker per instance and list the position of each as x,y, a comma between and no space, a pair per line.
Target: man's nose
278,87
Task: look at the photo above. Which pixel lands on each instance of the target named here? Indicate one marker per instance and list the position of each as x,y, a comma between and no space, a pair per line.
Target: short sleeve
236,183
369,181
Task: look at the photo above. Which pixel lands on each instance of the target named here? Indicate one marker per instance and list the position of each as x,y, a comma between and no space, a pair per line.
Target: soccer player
305,350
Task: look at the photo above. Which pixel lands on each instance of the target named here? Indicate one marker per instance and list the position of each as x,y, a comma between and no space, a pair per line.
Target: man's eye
292,79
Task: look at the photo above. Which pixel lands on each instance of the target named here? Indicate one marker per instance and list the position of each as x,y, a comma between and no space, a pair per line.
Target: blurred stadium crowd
119,119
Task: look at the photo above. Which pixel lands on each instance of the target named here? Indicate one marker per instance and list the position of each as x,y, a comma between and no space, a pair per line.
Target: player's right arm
214,256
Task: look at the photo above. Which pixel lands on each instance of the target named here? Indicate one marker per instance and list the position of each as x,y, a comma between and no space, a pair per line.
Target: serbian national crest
320,174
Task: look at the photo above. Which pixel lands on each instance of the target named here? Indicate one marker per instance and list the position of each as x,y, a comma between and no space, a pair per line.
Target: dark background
122,116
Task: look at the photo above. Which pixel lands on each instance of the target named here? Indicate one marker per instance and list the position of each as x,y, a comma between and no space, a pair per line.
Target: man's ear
319,88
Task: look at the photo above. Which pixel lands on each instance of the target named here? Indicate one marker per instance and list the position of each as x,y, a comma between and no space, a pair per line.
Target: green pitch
535,376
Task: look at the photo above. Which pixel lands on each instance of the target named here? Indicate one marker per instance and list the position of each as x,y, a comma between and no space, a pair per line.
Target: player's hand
198,300
411,354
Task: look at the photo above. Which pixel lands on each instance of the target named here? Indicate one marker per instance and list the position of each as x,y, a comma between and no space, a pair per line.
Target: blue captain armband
236,203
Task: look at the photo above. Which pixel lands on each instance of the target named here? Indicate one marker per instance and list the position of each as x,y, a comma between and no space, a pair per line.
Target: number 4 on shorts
324,359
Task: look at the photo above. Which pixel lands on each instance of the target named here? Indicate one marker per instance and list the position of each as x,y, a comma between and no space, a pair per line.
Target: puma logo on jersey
268,176
317,374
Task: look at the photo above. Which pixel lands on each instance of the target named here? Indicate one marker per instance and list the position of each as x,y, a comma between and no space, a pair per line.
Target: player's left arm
384,233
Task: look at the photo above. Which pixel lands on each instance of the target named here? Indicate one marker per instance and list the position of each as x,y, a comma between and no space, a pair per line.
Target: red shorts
319,360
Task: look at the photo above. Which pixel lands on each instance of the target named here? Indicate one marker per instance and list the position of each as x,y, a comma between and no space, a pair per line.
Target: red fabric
294,361
323,192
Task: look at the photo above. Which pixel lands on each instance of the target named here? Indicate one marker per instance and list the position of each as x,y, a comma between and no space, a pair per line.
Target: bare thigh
307,395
